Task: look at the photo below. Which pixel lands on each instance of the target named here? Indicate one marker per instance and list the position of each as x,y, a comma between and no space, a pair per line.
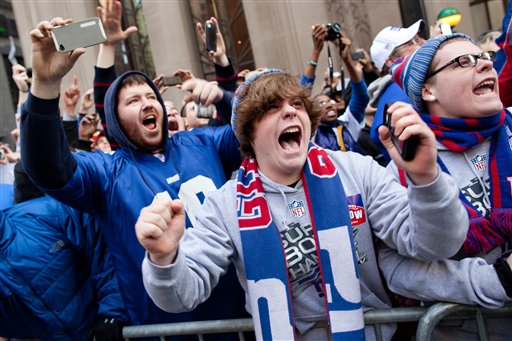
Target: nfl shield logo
297,209
480,162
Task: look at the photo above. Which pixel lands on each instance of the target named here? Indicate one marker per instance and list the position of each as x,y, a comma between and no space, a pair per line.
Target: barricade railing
449,311
427,317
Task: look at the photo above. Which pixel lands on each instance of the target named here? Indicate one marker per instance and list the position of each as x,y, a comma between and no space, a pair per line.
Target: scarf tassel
481,237
502,217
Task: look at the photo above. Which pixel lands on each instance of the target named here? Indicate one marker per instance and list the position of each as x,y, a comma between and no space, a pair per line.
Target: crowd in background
81,173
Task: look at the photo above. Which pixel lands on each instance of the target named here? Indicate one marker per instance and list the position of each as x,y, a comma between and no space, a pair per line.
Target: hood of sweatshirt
114,129
377,87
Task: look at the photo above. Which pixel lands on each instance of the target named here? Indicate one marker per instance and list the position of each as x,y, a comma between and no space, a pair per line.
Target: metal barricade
449,311
428,319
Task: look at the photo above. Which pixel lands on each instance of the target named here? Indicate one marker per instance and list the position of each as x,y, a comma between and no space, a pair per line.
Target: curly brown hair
262,95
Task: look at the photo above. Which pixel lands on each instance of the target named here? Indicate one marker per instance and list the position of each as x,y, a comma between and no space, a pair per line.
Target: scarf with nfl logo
265,261
459,135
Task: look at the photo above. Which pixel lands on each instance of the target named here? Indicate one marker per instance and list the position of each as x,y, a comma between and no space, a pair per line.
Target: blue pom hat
237,98
410,74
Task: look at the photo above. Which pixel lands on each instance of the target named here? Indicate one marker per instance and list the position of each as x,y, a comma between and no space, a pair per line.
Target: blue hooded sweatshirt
116,187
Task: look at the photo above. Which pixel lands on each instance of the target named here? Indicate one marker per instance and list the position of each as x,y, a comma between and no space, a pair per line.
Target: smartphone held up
82,33
407,148
210,36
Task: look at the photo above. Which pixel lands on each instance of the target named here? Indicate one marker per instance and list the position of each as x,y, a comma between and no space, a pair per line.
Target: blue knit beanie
410,74
237,98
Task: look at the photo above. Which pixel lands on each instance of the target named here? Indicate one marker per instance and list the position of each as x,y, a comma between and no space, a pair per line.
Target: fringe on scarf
485,234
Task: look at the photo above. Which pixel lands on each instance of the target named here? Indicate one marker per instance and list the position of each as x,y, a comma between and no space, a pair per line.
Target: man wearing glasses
451,82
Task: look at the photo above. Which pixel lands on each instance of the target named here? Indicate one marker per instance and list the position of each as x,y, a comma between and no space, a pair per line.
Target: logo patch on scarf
297,209
356,210
479,162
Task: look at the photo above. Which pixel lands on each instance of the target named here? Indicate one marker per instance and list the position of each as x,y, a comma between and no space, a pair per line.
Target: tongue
482,90
289,144
150,126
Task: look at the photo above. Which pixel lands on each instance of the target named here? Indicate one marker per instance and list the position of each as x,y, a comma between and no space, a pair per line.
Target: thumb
189,85
385,137
177,208
74,55
130,30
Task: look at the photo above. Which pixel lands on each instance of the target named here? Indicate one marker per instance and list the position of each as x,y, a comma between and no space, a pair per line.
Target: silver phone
82,33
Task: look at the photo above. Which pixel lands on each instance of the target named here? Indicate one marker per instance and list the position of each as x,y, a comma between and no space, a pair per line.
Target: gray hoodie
410,221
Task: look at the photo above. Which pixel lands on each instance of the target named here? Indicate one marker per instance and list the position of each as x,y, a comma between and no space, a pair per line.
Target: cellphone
211,36
82,33
407,148
357,55
203,111
445,29
172,80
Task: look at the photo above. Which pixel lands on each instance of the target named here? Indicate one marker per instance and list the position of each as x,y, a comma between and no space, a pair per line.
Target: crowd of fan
117,156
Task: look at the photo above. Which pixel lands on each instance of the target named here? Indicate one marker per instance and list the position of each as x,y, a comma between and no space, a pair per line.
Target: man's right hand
20,77
159,229
110,16
48,65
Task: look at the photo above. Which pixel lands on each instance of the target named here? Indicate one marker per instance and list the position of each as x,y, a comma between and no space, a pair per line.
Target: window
487,14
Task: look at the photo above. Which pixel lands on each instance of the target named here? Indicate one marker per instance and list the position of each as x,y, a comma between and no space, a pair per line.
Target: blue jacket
116,187
326,135
55,272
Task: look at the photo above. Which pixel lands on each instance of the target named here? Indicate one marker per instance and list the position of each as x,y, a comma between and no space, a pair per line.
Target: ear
426,94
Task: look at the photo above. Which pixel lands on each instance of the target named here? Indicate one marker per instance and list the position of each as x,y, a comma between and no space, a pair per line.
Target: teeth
486,83
150,117
291,130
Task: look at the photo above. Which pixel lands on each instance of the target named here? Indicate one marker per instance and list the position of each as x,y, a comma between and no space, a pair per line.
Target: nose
288,111
484,65
146,104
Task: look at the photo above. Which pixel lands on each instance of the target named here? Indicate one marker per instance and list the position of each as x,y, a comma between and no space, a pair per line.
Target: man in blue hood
146,166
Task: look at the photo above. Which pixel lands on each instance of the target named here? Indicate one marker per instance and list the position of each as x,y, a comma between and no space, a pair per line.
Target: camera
203,111
333,31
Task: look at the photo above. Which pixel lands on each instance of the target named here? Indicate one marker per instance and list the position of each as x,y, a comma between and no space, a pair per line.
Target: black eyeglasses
466,60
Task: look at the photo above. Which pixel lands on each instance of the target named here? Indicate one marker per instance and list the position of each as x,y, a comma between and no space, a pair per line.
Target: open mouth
149,122
290,139
173,124
484,88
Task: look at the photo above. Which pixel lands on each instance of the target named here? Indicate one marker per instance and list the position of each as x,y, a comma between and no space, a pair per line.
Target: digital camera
333,31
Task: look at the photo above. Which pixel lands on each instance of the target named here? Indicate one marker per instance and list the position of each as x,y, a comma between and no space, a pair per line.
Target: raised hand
422,169
87,101
110,16
203,92
71,96
48,65
20,77
219,57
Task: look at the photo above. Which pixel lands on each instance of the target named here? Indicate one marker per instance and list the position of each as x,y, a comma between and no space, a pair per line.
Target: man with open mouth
299,222
451,82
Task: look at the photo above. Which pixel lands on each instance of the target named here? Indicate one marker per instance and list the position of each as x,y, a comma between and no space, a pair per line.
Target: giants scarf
459,135
265,261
